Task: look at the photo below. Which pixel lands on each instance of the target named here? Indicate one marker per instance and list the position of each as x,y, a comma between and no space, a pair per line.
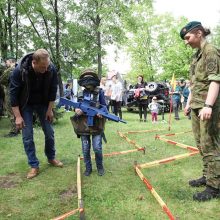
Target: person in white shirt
116,96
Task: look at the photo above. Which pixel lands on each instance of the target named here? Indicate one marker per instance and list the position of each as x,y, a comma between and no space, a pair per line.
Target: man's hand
49,115
99,115
187,110
205,113
19,123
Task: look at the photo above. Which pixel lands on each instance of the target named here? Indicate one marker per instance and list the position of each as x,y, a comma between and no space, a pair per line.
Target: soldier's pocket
217,166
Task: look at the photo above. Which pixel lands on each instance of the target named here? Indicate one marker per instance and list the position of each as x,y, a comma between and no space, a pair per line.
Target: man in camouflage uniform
2,93
10,64
204,101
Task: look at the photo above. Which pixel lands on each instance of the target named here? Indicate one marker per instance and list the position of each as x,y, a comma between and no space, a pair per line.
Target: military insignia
184,30
211,65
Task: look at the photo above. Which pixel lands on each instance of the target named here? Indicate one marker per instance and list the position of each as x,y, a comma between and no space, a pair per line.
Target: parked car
158,89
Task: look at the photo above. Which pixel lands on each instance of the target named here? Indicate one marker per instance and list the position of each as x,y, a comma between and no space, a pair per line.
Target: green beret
190,26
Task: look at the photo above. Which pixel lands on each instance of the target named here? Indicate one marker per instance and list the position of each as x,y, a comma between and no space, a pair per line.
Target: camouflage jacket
4,79
205,67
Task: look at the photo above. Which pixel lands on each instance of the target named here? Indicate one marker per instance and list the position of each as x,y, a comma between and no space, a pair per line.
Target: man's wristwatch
209,106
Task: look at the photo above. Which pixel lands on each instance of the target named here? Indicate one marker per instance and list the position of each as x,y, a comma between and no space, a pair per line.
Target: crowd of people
32,87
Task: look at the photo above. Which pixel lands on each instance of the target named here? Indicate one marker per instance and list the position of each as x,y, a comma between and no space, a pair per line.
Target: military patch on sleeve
211,65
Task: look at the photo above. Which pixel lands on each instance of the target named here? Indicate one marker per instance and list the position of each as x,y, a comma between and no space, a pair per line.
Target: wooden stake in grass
62,217
119,153
155,194
79,192
129,140
183,132
166,160
177,144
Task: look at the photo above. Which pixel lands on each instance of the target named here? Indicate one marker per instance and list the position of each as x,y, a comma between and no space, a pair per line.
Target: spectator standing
68,93
10,64
106,90
141,97
176,99
33,87
116,96
185,94
154,108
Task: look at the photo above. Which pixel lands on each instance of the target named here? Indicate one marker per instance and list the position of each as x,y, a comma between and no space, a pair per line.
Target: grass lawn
119,194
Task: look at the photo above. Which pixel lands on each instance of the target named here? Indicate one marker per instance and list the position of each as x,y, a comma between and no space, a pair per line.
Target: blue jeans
27,134
97,148
176,105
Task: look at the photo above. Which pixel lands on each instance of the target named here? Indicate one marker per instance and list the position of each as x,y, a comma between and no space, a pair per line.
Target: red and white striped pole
166,160
177,144
79,192
155,194
70,213
118,153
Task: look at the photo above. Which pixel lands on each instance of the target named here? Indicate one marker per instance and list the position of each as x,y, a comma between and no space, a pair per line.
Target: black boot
101,171
12,134
198,182
99,163
207,194
87,172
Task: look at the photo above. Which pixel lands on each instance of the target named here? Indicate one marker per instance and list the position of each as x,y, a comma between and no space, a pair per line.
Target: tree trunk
9,23
60,83
99,54
17,28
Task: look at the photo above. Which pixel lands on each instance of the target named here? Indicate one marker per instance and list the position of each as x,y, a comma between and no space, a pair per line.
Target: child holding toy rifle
90,134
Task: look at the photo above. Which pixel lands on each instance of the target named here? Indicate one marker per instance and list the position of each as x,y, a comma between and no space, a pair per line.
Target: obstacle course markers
166,160
79,191
137,168
162,161
80,201
176,143
129,140
62,217
172,134
119,153
155,194
143,131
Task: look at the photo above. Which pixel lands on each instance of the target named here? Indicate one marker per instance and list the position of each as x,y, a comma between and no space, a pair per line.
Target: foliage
86,27
216,36
155,46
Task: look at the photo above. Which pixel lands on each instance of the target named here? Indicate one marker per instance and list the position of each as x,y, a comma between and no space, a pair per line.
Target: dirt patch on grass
69,193
9,181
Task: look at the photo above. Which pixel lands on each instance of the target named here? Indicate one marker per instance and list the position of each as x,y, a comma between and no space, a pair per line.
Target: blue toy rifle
90,111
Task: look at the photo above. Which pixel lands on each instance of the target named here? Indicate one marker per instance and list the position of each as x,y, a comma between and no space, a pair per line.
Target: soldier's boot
99,164
12,134
88,171
208,194
101,171
198,182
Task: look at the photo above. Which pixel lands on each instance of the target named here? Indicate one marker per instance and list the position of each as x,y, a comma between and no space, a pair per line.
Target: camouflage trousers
10,114
207,137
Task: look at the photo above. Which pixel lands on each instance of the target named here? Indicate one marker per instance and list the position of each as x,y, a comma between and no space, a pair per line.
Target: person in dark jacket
33,87
141,97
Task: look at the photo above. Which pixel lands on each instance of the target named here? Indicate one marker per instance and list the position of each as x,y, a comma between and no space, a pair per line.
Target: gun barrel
123,121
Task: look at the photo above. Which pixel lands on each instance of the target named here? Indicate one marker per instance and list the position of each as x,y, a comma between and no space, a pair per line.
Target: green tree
101,20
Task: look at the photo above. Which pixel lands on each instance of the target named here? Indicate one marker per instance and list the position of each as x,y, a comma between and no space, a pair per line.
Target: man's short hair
40,54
